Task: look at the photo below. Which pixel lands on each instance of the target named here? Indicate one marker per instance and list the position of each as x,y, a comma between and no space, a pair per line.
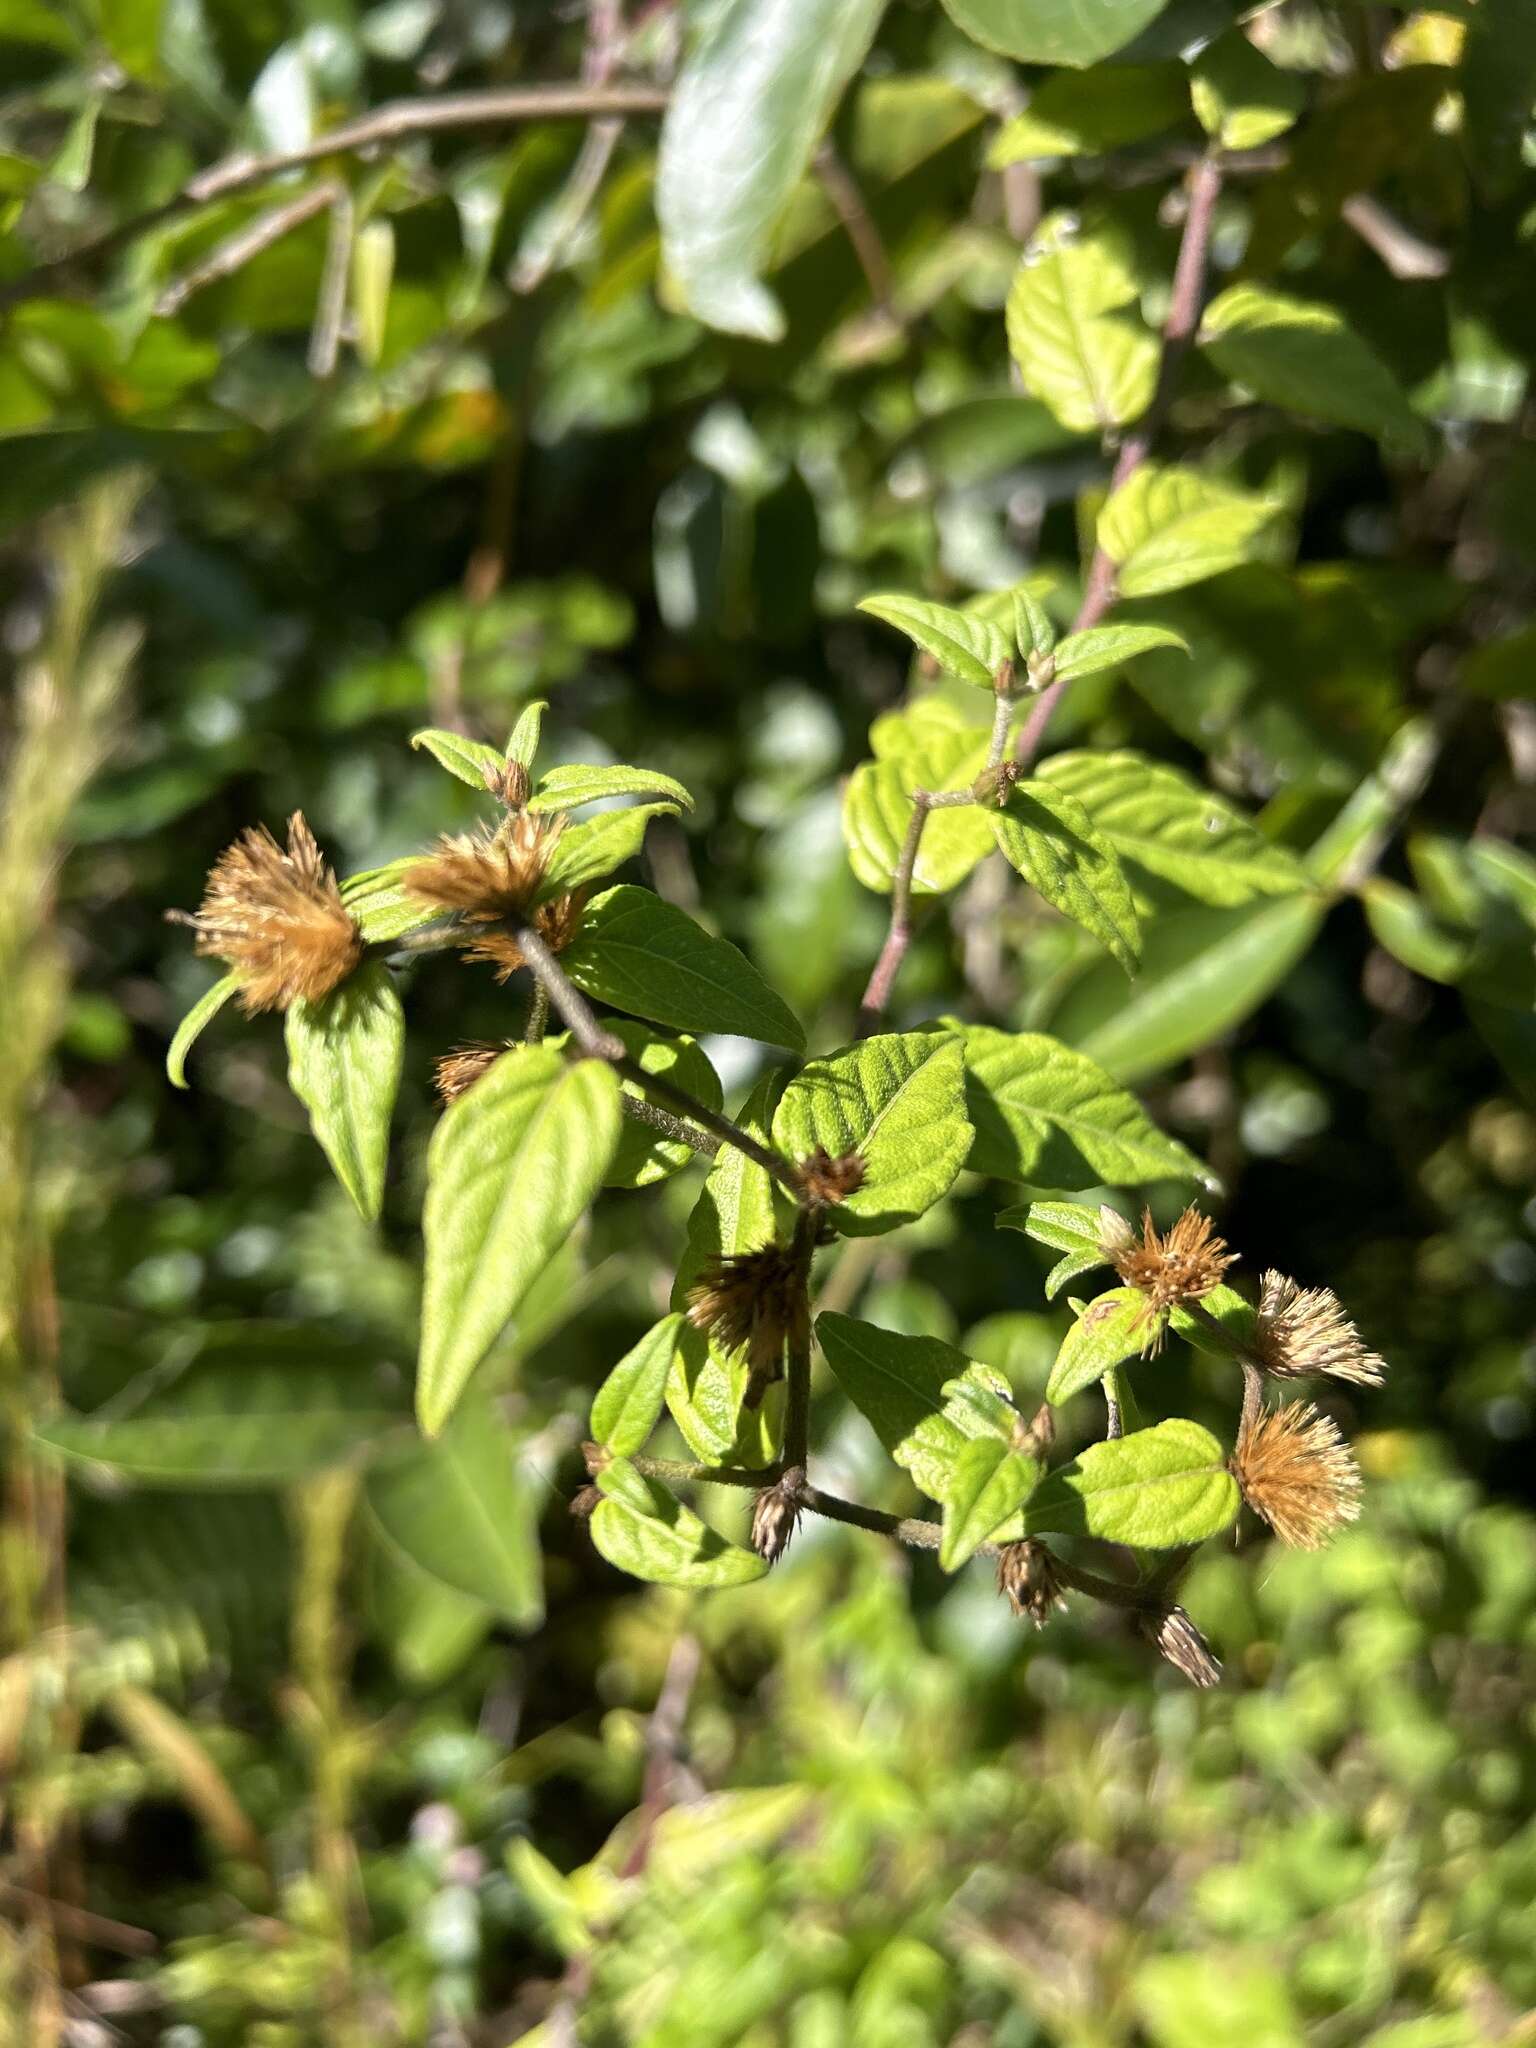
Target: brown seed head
1027,1576
1176,1638
1298,1473
775,1517
510,783
277,919
1180,1265
462,1068
753,1301
826,1180
1304,1330
556,923
488,874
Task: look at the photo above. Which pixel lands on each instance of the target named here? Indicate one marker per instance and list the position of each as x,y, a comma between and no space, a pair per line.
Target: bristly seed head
1304,1330
1176,1638
1298,1473
277,919
488,874
1168,1269
753,1301
1027,1577
825,1180
461,1069
775,1517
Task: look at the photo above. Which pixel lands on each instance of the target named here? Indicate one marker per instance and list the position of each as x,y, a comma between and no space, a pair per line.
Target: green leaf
1032,627
1045,1113
898,1100
740,1206
466,1510
1377,802
877,811
644,1156
1074,116
627,1405
1164,528
1227,1307
645,1531
1101,647
373,273
470,760
510,1168
964,645
584,853
759,83
706,1398
1409,930
192,1026
1078,350
564,789
1241,100
988,1485
1075,32
523,742
1066,1227
645,956
1153,1490
1305,357
344,1058
1051,840
383,908
1169,825
1110,1329
259,1406
1202,972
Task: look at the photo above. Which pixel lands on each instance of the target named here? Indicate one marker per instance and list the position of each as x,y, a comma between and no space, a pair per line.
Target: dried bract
462,1068
1027,1576
775,1516
1175,1636
1298,1473
1304,1330
753,1301
277,919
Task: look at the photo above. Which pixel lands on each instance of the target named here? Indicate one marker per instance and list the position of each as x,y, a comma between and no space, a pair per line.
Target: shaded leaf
877,811
1074,116
644,1155
1076,32
627,1405
344,1059
645,1531
587,851
195,1022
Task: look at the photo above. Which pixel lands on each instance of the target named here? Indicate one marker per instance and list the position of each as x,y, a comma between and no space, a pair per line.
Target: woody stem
797,1406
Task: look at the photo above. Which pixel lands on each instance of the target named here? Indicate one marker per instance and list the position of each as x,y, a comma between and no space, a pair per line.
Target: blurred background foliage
309,1764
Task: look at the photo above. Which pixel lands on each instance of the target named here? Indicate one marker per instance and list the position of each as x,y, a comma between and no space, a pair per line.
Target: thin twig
842,189
395,122
1407,255
236,250
674,1127
899,932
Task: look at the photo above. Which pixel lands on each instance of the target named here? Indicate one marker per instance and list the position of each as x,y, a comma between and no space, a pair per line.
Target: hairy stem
899,933
797,1407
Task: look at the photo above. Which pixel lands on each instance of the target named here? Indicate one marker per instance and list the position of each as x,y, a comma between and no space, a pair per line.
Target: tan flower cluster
1170,1269
492,876
1296,1470
460,1069
277,920
1304,1330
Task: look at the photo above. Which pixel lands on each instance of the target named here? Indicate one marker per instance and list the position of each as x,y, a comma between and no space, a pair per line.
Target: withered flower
462,1068
827,1180
1304,1330
1175,1636
1298,1473
1026,1574
277,919
775,1517
1169,1269
489,877
753,1301
511,783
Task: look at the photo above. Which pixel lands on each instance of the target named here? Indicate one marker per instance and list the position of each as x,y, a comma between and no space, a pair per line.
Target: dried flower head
511,783
1026,1574
277,919
1304,1330
488,875
462,1068
556,923
827,1180
1175,1636
775,1516
1298,1473
1169,1268
753,1301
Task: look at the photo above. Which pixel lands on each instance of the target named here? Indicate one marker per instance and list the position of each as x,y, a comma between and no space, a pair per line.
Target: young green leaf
965,646
1110,1329
645,956
898,1101
644,1156
1203,971
1074,116
1066,1227
877,811
1154,1490
195,1022
626,1406
511,1166
988,1485
1051,840
383,909
1032,625
1409,930
1075,32
585,852
1170,825
564,789
1101,647
470,760
1241,100
1306,358
646,1531
344,1057
465,1509
758,85
1165,528
1225,1306
740,1207
1045,1113
523,742
707,1399
1090,360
